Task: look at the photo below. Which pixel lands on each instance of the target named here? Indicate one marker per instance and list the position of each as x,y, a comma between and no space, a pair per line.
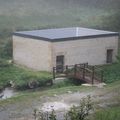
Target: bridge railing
97,73
83,71
68,70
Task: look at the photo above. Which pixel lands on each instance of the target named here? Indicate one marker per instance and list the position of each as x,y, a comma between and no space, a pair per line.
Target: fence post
93,73
87,64
84,71
75,70
53,72
102,73
66,70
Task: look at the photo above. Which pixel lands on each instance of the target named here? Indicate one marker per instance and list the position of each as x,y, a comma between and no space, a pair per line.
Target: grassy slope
37,14
21,77
20,14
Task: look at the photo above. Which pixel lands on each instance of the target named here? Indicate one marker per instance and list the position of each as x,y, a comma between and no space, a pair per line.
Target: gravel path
61,102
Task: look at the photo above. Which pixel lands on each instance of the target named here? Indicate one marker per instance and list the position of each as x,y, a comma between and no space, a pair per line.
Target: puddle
54,105
7,93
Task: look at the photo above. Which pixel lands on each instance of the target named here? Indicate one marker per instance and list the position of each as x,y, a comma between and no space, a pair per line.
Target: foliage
7,50
112,21
107,114
111,72
22,78
75,113
82,111
52,115
63,83
118,57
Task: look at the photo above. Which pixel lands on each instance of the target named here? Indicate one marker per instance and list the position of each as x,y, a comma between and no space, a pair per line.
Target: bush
75,113
30,82
82,111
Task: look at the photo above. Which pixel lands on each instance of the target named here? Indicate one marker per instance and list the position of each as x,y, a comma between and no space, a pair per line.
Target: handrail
88,69
94,72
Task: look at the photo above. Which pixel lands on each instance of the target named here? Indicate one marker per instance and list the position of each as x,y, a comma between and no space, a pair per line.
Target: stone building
43,49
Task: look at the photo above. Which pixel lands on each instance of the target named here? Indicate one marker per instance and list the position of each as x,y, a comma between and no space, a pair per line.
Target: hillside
28,14
25,6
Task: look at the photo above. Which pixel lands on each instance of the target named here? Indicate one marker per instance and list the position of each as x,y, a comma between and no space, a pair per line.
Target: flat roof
60,34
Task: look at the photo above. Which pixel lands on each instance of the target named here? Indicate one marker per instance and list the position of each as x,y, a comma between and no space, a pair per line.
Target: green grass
111,72
21,76
31,95
112,113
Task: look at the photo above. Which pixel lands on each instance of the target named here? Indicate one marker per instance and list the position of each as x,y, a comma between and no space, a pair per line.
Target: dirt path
19,111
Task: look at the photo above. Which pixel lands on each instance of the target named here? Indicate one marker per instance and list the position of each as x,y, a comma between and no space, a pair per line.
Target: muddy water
7,93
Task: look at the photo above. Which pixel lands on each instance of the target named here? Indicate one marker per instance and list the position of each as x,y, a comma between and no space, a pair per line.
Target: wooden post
51,82
66,70
102,74
87,64
53,72
84,71
93,73
75,70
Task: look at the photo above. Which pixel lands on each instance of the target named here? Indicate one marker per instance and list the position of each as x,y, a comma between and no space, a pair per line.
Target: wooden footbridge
83,73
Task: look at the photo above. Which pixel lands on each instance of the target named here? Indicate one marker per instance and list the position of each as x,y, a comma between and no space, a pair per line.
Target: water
7,93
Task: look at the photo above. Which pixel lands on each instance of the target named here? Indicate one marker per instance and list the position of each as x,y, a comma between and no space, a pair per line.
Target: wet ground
7,93
24,111
61,103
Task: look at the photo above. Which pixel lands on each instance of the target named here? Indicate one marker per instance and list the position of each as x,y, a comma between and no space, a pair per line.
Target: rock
33,84
1,95
12,84
69,92
87,85
55,95
101,85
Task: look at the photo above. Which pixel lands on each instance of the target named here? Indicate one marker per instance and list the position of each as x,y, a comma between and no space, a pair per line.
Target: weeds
22,78
75,113
108,114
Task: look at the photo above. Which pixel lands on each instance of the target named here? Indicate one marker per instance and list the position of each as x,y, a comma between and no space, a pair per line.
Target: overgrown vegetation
21,78
112,113
111,72
75,113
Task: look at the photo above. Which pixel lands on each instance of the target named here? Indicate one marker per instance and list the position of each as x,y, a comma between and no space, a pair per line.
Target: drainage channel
7,93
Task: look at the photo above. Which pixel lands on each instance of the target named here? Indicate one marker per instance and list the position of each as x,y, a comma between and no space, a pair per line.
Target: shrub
29,82
75,113
82,111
